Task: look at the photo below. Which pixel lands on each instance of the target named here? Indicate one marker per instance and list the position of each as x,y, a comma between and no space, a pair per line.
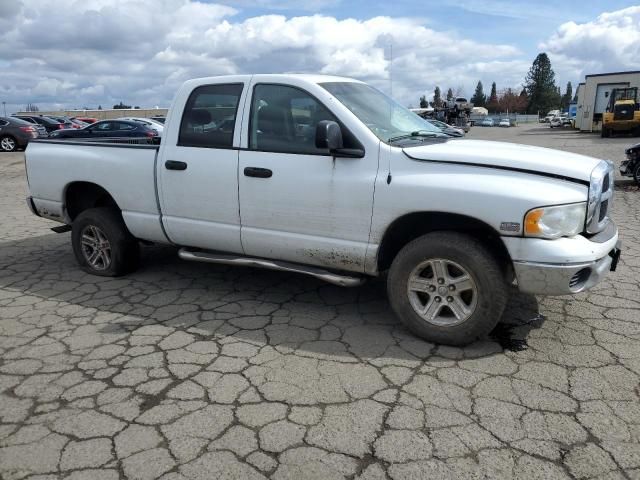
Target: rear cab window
209,116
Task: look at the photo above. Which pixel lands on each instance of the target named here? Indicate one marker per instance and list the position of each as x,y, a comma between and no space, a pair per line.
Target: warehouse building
593,97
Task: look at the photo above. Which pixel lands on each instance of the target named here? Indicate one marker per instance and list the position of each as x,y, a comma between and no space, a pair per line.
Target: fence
513,117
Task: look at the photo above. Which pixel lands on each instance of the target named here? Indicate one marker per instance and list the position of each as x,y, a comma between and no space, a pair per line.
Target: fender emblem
510,227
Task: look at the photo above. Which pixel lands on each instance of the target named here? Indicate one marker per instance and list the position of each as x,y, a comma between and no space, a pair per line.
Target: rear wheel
8,144
102,244
447,287
606,132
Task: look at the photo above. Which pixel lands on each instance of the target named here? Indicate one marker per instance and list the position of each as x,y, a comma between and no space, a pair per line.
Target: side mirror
328,135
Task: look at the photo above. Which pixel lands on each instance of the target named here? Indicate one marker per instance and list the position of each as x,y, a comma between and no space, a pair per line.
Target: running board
330,277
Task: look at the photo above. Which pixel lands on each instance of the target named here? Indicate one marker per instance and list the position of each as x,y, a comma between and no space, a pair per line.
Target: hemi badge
510,227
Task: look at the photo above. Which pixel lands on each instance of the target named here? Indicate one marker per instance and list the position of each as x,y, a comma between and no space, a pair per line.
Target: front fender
495,197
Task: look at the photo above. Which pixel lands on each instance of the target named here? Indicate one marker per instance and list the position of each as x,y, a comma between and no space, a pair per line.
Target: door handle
175,165
257,172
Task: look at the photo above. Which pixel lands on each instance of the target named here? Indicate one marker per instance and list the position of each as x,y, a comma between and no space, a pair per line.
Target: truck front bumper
578,263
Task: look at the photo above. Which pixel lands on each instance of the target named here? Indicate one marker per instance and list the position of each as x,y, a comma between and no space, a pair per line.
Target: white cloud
89,52
609,43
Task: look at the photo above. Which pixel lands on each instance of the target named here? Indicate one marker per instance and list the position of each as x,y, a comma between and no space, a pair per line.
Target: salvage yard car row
17,130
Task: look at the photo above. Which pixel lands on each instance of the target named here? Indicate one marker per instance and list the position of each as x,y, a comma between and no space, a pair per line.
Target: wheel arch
81,195
413,225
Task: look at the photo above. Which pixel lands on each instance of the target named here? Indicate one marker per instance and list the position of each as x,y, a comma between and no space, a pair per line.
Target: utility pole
4,106
390,69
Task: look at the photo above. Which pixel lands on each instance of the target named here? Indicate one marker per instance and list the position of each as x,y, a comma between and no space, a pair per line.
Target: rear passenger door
123,129
198,169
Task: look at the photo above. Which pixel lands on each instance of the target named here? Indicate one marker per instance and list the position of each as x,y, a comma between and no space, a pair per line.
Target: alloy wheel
442,292
96,248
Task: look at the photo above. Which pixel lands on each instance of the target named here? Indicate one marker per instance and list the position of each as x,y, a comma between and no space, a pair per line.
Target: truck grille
604,207
599,210
623,112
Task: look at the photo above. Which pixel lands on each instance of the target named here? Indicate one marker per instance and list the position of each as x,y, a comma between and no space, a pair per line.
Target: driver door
297,202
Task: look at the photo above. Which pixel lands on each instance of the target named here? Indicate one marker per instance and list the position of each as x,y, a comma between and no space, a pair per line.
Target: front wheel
636,173
102,244
447,287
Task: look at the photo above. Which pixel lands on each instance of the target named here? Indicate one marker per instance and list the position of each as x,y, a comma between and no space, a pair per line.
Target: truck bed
125,170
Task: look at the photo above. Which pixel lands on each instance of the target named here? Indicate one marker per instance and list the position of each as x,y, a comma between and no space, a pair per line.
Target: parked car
159,119
107,129
157,126
487,122
49,124
560,121
505,122
68,123
446,128
453,221
15,133
631,166
85,119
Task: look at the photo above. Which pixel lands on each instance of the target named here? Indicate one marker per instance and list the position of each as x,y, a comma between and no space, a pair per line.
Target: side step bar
334,278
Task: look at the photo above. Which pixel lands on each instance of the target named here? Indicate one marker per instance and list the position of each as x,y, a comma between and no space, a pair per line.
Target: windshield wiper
417,133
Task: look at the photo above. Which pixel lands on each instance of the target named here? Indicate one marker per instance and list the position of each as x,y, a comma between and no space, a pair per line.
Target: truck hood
510,156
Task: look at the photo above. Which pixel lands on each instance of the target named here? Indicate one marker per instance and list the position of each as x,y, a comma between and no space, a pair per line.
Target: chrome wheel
8,144
442,292
96,248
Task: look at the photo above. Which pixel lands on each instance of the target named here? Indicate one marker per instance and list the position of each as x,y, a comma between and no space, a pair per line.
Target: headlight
555,222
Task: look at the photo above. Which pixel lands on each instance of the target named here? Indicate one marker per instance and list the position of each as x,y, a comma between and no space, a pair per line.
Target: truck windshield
385,117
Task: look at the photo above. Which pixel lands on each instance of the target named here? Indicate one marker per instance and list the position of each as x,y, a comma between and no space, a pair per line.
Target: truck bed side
125,172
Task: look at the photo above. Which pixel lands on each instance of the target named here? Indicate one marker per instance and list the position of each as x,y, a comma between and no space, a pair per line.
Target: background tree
567,97
32,107
423,101
479,99
437,98
449,94
512,102
99,107
540,83
492,103
121,106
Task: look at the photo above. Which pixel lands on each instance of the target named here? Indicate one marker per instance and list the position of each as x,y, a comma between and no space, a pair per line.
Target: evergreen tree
493,97
492,103
449,94
423,101
540,83
567,97
437,98
99,107
479,99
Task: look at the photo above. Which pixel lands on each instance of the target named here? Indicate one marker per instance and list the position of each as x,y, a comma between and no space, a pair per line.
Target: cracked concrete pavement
187,371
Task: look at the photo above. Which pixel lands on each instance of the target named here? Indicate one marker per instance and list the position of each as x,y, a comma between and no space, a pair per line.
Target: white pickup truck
329,177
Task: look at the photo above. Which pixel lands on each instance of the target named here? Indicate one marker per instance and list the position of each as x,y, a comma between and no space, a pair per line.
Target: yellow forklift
623,112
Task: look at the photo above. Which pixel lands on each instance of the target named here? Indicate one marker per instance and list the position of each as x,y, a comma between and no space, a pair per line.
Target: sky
85,53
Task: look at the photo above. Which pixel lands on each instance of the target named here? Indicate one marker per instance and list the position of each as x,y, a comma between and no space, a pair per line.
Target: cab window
284,119
209,116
